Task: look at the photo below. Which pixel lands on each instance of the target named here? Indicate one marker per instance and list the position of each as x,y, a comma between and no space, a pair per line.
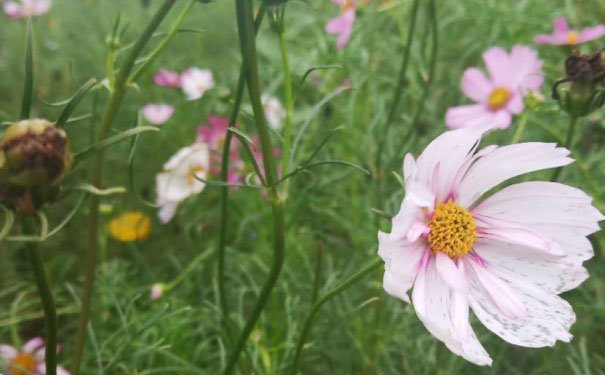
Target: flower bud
585,92
35,154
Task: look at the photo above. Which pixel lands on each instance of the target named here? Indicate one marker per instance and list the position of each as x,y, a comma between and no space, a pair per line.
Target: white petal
409,167
33,344
507,162
7,351
401,264
167,211
547,319
513,262
419,195
450,273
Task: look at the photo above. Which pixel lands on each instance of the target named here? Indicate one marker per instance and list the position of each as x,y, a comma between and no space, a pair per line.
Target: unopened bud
35,154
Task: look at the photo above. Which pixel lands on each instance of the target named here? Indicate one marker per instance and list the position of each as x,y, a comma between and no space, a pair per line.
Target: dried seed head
34,154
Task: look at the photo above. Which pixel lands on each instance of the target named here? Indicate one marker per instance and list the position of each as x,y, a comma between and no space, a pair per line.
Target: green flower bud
35,154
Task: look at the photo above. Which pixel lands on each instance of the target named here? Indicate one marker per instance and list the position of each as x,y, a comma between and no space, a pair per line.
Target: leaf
320,67
9,220
78,157
90,189
75,100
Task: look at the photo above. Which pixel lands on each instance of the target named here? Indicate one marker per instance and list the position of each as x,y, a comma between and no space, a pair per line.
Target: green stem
323,299
28,86
222,239
289,103
194,263
568,145
245,22
520,129
158,51
111,111
395,102
46,296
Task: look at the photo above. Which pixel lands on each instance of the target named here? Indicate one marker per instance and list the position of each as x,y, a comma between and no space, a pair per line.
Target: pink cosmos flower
26,8
29,360
167,78
157,114
195,82
564,36
157,291
499,96
506,256
214,135
342,25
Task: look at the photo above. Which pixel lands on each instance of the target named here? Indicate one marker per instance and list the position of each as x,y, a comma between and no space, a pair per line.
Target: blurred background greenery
362,331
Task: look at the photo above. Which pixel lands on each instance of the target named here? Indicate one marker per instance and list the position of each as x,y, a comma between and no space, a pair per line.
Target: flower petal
33,344
499,66
507,162
475,85
7,352
401,264
527,75
449,271
591,33
560,25
467,116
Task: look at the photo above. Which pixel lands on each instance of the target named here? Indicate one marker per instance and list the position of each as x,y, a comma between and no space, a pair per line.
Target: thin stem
289,100
46,296
520,129
222,238
323,299
158,51
28,85
111,111
379,173
245,23
568,144
194,263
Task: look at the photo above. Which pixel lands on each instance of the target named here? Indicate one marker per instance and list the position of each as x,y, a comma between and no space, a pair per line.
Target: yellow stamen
452,230
130,226
573,37
23,364
498,98
193,172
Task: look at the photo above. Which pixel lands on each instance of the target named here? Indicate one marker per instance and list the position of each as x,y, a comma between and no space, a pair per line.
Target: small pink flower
157,291
167,78
195,82
30,360
462,244
564,36
511,77
214,135
157,114
342,25
26,8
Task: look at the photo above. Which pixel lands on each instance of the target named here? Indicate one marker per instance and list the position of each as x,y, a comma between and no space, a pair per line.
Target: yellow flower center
346,5
452,230
193,172
23,364
130,226
573,37
498,98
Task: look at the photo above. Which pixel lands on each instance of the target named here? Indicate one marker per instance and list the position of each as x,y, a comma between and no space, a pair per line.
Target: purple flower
564,36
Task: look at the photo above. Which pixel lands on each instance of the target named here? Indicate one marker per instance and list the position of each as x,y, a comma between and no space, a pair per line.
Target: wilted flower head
274,111
195,82
130,226
342,25
157,114
180,178
27,361
167,78
26,8
34,153
157,291
507,256
563,35
499,96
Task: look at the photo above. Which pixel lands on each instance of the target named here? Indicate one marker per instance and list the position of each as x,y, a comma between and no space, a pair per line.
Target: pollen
498,98
130,226
452,230
573,37
23,364
193,172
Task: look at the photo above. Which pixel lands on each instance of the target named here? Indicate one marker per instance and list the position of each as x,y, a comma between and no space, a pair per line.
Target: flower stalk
111,111
245,22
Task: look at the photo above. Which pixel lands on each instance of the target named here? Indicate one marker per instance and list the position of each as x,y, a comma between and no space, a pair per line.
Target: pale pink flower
26,8
180,178
505,255
499,96
157,114
29,360
274,111
214,135
564,36
195,82
167,78
342,25
157,291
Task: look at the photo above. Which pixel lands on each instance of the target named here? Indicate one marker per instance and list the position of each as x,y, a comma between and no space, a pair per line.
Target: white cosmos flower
195,82
274,111
178,180
506,256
